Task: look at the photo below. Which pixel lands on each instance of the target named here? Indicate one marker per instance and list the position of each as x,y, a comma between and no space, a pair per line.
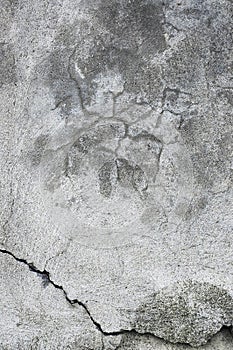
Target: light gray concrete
116,183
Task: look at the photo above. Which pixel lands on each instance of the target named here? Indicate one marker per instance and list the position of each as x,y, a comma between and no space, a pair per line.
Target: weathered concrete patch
186,312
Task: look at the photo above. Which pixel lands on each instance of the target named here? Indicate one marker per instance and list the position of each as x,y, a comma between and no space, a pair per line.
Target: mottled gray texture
116,183
187,312
35,315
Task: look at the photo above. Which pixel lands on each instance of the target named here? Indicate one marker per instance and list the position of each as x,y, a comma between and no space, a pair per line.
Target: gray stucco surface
116,185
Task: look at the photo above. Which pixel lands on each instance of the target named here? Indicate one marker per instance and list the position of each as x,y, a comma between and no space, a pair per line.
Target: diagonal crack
46,276
47,279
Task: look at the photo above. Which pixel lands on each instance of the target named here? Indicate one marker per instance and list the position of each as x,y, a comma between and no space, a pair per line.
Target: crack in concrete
47,280
46,276
63,251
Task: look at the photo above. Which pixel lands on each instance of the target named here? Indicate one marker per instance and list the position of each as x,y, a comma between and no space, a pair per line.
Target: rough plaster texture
116,174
